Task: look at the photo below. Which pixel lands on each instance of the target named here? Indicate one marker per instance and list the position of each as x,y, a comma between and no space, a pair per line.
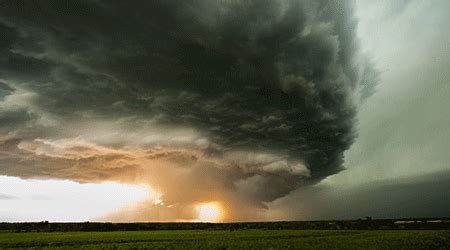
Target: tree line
360,224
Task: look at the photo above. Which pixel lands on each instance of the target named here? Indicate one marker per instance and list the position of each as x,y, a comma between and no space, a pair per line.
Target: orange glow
209,212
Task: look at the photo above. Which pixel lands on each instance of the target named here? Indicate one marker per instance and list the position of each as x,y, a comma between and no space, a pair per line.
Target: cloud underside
239,101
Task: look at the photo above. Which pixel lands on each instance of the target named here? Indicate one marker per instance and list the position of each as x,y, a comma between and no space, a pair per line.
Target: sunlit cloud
210,212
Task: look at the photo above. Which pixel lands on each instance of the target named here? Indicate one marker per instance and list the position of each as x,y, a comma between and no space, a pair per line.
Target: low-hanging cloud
237,101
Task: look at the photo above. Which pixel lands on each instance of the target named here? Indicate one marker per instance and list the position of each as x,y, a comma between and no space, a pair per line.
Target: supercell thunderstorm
236,101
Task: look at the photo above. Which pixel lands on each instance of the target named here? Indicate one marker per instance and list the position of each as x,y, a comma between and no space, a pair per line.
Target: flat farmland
221,239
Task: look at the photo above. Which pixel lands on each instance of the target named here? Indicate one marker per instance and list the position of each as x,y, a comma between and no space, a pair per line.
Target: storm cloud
238,101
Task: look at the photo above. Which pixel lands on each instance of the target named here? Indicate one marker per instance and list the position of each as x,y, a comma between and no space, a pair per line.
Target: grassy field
241,239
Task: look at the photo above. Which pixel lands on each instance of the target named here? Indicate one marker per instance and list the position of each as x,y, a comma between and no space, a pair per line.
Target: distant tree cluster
360,224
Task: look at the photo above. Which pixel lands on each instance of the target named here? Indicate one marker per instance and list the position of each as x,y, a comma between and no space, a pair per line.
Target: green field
241,239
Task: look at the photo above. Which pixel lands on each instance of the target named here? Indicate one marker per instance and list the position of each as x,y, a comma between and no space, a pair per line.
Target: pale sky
404,127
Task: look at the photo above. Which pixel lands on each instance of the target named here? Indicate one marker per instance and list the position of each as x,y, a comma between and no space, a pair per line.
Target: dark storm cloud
271,82
407,197
5,90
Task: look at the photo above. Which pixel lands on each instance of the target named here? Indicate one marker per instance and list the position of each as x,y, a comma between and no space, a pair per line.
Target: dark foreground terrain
360,224
240,239
350,234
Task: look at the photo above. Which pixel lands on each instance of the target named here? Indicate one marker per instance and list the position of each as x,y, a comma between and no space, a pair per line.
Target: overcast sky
404,127
280,110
